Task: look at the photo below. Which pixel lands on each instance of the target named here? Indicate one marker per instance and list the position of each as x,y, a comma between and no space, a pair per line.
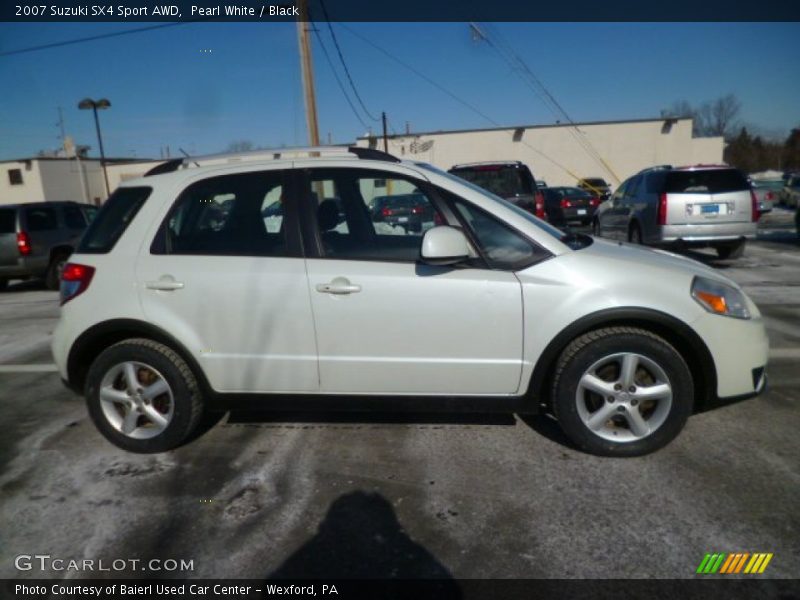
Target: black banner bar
134,11
709,588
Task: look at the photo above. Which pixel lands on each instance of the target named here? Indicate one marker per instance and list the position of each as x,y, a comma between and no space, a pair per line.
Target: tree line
743,149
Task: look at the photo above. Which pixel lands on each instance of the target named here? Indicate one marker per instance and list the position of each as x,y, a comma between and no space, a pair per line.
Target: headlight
719,298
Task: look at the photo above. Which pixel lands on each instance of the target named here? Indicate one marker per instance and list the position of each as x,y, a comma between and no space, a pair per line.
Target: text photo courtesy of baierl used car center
373,305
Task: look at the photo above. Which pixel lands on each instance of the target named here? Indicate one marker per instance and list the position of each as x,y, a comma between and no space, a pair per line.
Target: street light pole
87,103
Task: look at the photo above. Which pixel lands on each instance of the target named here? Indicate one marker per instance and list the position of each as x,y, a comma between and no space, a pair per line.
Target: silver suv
696,206
37,238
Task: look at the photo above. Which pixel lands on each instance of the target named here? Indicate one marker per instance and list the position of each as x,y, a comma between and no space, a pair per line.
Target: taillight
24,243
386,212
565,203
75,279
769,196
417,210
594,202
755,214
662,209
538,206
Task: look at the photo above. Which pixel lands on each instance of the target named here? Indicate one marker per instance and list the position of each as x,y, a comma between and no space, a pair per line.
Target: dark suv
511,180
37,238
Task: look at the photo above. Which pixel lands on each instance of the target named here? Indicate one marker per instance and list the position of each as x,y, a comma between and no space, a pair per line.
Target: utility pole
61,125
385,138
308,72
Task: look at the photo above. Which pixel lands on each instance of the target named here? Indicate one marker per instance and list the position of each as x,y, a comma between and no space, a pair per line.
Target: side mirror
444,245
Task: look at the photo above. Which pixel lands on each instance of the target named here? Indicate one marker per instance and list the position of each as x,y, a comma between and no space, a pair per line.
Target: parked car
37,238
767,192
492,310
698,206
408,211
565,205
790,195
596,186
511,180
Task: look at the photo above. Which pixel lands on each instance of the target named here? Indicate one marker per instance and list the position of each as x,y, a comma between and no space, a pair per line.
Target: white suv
266,280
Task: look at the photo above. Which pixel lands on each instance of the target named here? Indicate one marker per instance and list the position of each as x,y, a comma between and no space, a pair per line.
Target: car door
628,206
387,324
610,217
225,275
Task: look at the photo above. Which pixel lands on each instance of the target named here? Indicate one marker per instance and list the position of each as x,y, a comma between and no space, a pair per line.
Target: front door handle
164,284
339,285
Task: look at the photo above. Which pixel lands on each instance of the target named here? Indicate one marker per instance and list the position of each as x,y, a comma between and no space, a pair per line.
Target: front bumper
740,349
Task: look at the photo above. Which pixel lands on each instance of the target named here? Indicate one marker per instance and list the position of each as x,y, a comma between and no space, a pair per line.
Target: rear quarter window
113,219
713,181
7,220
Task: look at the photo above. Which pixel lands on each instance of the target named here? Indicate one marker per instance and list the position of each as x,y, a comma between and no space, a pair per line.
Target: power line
338,80
91,38
453,96
519,66
344,64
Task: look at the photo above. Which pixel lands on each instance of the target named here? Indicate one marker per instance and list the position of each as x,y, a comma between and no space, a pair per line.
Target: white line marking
40,368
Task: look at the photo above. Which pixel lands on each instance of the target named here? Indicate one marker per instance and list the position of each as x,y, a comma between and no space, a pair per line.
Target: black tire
635,234
187,400
731,250
584,352
52,278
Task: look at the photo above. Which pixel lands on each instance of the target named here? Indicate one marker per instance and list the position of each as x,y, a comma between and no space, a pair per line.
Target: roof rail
276,154
487,162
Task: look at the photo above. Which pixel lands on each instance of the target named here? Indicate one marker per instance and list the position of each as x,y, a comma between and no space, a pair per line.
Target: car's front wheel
621,391
143,397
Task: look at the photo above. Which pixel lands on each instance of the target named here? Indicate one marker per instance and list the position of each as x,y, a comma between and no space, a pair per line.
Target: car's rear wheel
730,250
52,278
621,391
635,234
143,397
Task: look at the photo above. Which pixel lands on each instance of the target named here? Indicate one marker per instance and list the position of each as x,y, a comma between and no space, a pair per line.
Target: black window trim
294,240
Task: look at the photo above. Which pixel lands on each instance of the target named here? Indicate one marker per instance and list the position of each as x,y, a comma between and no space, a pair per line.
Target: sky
202,86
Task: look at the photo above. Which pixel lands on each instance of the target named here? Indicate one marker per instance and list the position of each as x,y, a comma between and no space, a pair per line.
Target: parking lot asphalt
464,496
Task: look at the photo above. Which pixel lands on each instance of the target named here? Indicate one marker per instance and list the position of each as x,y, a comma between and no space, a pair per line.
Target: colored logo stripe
736,562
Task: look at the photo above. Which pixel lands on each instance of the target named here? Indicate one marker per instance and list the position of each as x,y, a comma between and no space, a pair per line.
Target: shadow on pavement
420,418
361,538
548,427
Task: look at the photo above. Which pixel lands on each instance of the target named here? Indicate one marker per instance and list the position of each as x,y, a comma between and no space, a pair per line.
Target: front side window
229,215
370,215
73,217
502,247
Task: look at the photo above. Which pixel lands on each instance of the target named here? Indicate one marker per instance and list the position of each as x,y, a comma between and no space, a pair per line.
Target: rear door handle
340,285
165,284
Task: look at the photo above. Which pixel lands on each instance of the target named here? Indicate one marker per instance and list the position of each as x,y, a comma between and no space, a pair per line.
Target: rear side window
712,181
41,219
113,219
229,215
7,220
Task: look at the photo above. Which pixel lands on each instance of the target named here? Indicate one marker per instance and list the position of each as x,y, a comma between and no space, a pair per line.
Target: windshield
544,226
503,180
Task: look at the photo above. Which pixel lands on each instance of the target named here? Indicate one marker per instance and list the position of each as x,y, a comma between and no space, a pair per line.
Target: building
56,178
561,154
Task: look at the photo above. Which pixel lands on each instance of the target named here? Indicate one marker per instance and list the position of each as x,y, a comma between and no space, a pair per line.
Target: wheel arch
88,346
680,335
59,250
